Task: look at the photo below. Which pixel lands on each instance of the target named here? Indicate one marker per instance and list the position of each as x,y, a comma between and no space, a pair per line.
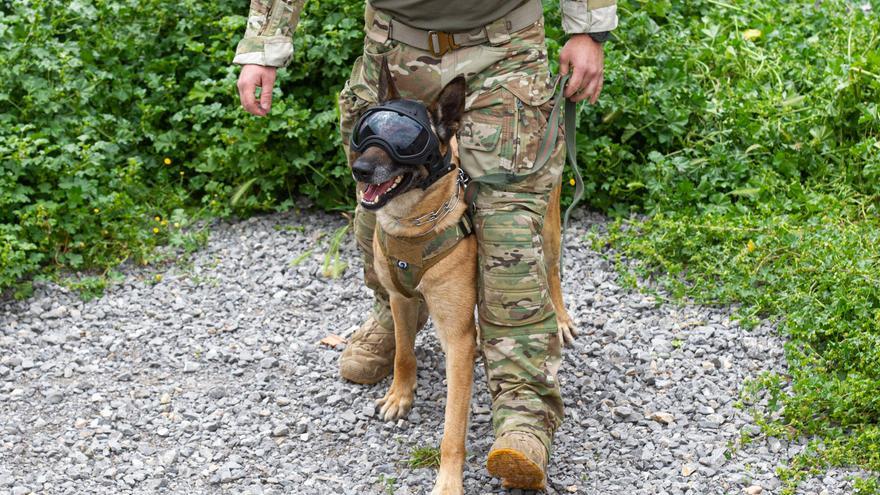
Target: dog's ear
387,89
448,108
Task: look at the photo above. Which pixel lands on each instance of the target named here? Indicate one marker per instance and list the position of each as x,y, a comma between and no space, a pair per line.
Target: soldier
499,47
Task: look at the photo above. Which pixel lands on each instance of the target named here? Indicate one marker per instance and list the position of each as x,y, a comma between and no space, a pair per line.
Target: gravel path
212,381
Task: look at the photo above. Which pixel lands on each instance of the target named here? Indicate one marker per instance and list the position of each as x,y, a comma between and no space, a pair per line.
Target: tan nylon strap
411,251
392,265
439,42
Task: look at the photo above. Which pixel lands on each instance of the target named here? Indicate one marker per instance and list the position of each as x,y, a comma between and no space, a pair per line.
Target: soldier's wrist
585,36
600,37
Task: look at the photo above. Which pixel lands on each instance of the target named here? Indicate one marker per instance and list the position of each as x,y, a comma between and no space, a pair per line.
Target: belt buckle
440,42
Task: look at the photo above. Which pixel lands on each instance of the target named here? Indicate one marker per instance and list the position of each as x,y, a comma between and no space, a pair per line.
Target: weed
387,483
815,274
290,228
301,257
425,457
333,267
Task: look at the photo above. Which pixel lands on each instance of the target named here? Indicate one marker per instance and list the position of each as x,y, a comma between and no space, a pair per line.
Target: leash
545,149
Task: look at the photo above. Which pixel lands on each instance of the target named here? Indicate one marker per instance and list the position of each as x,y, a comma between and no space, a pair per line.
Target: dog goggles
400,127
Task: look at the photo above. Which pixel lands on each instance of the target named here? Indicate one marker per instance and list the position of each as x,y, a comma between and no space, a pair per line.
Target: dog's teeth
396,182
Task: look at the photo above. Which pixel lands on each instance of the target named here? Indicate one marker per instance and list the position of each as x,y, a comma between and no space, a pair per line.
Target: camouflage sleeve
588,16
268,39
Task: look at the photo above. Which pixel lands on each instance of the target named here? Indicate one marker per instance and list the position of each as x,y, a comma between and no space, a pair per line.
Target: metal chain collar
445,209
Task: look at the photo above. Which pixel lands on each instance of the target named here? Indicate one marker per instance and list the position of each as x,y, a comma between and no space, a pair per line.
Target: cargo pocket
371,62
534,101
486,136
513,279
503,129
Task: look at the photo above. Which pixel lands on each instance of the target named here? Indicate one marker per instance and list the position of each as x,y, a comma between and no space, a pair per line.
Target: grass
333,267
816,272
424,457
387,483
301,257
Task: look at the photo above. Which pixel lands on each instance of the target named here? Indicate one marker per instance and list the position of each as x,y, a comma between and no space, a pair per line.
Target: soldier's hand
585,59
251,78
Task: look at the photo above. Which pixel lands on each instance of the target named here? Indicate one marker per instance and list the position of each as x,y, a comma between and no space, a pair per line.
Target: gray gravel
213,381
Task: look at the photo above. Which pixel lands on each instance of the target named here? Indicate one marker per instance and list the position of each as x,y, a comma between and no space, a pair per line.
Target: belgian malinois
417,192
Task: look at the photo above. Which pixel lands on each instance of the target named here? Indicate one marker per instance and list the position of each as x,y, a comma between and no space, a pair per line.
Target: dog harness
410,257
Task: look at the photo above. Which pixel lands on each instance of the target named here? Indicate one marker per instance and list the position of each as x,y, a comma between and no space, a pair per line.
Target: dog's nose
361,170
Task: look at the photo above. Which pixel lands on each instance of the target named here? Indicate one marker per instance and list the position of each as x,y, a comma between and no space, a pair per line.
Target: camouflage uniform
509,99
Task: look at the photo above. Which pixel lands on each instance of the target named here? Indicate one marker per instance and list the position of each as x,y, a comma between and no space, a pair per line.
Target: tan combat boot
520,460
369,355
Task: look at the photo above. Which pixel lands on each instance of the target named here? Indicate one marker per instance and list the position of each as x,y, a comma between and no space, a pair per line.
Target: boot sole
515,469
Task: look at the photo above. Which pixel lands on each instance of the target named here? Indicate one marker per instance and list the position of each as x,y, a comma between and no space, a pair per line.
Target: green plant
114,114
387,483
333,267
425,456
301,257
816,274
759,173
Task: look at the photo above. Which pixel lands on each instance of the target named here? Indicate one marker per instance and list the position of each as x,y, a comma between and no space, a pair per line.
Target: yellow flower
155,230
167,161
97,210
751,34
158,277
571,181
176,225
751,246
164,223
158,218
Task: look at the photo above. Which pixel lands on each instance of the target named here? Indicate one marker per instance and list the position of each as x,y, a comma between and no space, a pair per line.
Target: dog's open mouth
377,195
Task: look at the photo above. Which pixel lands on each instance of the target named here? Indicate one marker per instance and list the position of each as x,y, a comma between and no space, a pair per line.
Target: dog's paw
448,486
396,403
567,330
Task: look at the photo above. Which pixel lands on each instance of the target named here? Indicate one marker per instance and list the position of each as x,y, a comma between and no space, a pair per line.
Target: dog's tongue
373,191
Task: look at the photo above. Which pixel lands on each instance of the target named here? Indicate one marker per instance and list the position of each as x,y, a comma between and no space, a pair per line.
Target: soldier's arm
267,45
588,22
268,39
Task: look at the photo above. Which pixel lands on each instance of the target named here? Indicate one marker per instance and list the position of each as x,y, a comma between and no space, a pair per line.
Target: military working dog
406,165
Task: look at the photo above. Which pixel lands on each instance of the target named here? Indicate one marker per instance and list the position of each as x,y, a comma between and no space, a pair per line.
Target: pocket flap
480,136
534,90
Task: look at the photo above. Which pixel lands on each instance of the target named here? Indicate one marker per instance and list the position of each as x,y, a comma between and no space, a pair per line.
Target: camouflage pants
509,98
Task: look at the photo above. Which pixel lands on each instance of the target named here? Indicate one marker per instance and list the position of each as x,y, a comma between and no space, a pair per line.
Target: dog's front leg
455,327
399,398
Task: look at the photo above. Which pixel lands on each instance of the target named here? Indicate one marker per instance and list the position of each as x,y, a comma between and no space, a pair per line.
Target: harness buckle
440,42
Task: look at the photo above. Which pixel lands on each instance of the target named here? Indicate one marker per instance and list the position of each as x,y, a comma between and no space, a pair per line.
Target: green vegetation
115,114
387,483
748,133
333,266
425,456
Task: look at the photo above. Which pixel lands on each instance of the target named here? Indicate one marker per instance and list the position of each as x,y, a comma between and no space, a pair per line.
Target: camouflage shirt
268,39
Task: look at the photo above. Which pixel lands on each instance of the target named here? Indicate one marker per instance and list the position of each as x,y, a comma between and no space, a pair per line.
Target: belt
381,26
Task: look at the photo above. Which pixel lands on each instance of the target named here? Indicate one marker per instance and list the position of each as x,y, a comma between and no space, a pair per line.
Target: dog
418,193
